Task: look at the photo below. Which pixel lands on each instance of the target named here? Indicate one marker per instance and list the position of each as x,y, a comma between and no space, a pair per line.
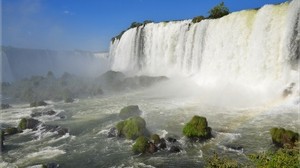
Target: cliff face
253,48
18,63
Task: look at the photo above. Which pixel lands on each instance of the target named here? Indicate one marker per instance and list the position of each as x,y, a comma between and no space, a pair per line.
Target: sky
90,24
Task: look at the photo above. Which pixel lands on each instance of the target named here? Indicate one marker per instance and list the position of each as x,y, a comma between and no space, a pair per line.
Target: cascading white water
253,48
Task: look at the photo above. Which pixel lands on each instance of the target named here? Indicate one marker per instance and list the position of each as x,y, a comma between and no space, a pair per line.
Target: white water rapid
254,49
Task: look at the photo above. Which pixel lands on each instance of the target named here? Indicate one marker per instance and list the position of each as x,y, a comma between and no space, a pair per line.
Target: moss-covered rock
38,103
132,127
223,162
155,138
197,128
129,111
28,124
141,145
281,137
11,131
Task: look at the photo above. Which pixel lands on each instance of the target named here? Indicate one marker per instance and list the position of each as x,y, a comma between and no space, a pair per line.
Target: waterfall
252,48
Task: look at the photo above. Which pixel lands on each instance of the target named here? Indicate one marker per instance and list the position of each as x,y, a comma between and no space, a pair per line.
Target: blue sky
90,24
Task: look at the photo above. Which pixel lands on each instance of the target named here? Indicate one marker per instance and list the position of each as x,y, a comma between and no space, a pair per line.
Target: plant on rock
141,145
281,137
197,128
129,111
132,127
218,11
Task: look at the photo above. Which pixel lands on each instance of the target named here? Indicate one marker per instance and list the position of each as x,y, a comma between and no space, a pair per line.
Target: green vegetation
283,157
216,162
197,128
198,19
11,131
141,145
281,137
132,127
22,124
218,11
129,111
155,138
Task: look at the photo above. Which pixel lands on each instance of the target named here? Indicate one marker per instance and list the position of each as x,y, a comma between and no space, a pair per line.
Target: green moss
22,124
197,128
280,137
11,131
129,111
155,138
132,127
141,145
217,162
284,157
198,19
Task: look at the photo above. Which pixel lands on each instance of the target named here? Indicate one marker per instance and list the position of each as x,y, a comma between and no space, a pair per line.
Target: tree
218,11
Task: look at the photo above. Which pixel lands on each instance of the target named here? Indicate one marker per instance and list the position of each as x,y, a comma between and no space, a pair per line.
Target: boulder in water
197,129
132,128
69,100
50,165
281,137
5,106
28,124
11,131
172,140
38,103
1,140
155,138
38,114
174,149
141,145
129,111
112,132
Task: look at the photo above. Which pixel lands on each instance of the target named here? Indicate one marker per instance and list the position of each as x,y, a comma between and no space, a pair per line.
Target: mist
19,63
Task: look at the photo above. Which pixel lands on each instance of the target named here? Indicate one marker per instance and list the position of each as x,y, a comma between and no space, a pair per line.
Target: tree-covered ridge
218,11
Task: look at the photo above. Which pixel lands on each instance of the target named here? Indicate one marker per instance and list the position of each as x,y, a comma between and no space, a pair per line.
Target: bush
218,11
217,162
141,145
280,137
284,157
197,128
132,127
198,19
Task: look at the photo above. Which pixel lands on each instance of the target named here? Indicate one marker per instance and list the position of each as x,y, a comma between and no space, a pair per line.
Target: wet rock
5,106
50,165
1,140
29,123
38,114
129,111
152,148
174,149
234,147
288,90
69,100
112,132
38,103
155,138
11,131
54,128
172,140
162,144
